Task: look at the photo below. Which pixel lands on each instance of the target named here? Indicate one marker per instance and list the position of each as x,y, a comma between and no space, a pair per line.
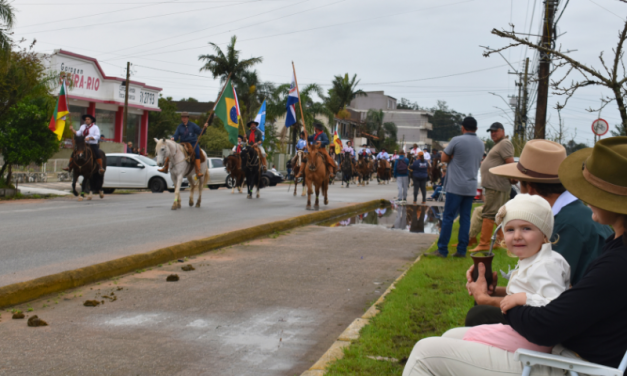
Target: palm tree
377,127
344,90
6,23
251,93
221,64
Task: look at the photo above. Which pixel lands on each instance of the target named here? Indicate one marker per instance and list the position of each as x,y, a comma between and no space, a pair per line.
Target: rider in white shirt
426,154
349,149
414,151
91,132
383,155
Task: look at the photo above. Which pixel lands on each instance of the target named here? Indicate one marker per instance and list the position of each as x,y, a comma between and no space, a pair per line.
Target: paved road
270,307
41,237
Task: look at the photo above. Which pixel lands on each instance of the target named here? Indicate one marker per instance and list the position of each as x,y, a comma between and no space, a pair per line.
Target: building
92,92
412,125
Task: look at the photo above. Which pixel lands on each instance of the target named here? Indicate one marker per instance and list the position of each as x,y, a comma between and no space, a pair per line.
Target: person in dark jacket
590,319
420,176
322,141
189,132
401,174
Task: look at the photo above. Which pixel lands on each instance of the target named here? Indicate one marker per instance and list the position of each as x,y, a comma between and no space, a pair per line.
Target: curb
23,292
351,333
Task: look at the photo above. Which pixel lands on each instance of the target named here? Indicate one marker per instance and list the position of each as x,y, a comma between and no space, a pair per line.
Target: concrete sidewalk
269,307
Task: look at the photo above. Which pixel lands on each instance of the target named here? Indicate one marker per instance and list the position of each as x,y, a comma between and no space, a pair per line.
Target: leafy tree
251,93
342,92
620,131
162,124
224,63
572,146
489,144
6,23
24,135
405,104
215,137
446,122
189,100
377,127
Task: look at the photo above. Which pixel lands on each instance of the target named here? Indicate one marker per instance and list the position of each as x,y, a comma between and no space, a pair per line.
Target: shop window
106,122
133,129
75,116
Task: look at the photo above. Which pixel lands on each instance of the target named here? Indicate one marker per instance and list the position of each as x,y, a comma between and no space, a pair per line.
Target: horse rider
383,154
414,151
255,138
91,132
349,149
302,143
189,132
322,140
426,154
241,142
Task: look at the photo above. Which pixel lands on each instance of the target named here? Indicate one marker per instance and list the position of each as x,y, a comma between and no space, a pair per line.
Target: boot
166,166
68,166
197,166
473,242
486,234
101,170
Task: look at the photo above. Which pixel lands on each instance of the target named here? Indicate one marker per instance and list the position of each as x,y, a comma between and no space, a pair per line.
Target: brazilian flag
227,110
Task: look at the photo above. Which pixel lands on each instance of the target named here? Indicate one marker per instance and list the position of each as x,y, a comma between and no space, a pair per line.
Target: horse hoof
89,198
308,207
80,199
326,202
191,203
250,197
101,194
174,207
198,205
316,207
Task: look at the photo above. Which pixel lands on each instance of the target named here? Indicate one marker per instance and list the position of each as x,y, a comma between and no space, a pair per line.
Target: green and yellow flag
227,110
57,122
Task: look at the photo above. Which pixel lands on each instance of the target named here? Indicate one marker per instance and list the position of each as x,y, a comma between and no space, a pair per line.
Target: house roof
194,107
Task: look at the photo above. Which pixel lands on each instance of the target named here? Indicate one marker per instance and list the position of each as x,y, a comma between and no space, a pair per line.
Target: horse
384,173
251,164
435,173
363,167
233,165
299,161
317,175
84,164
346,167
181,167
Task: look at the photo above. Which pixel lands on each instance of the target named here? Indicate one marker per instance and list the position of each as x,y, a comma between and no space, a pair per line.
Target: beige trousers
476,221
449,355
493,202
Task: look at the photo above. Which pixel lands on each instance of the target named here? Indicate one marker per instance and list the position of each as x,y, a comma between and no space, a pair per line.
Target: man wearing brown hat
577,237
496,189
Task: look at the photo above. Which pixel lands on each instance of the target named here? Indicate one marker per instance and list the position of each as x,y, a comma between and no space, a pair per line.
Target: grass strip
428,301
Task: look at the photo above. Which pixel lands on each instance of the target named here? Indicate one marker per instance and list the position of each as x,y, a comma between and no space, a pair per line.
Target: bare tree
613,76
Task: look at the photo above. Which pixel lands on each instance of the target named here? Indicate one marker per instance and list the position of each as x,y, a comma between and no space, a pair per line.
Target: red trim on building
68,53
143,134
119,124
91,109
114,102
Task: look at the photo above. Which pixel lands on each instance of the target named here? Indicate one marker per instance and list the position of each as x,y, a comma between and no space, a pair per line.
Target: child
540,276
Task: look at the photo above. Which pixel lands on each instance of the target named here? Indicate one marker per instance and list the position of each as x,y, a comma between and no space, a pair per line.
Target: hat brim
511,171
571,175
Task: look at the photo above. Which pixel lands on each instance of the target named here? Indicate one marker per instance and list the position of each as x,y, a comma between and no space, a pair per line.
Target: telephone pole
544,70
523,131
127,84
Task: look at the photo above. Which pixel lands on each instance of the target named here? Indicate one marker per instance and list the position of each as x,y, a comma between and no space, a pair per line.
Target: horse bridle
87,160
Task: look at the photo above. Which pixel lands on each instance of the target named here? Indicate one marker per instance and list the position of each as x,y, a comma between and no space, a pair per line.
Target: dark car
271,178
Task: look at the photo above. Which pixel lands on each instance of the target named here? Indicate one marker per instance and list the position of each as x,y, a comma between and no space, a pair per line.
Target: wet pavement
268,307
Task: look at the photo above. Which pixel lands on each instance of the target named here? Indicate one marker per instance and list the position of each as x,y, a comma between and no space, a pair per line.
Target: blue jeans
454,204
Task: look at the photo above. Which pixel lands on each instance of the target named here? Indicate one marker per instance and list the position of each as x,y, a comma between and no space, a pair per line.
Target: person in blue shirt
302,143
189,132
321,140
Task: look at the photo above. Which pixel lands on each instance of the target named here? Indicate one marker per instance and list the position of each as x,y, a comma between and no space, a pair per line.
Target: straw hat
597,175
539,162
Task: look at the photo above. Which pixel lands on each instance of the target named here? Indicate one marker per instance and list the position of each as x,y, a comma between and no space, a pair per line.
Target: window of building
106,122
75,116
133,129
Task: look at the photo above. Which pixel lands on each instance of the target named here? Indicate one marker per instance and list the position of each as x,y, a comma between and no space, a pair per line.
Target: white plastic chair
572,365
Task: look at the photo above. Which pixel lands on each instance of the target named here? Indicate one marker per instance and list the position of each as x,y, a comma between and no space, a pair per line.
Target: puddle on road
412,218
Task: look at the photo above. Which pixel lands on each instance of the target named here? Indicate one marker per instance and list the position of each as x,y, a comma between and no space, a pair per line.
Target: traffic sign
600,127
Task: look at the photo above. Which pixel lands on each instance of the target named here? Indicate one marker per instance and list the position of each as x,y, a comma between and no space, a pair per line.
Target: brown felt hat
539,162
598,175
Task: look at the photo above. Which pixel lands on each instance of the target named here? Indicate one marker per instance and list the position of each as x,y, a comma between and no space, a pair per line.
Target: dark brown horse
364,169
84,164
384,171
233,165
346,167
317,175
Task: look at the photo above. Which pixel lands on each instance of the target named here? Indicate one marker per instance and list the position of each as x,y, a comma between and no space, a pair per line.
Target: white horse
181,168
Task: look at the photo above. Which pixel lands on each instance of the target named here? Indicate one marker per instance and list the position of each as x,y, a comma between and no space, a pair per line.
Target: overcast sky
403,47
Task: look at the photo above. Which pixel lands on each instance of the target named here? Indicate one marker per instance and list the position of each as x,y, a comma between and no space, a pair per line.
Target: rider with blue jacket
189,132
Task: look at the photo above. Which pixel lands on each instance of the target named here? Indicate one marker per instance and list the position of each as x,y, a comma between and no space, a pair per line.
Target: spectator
589,319
578,238
496,189
129,147
401,174
420,175
273,168
463,155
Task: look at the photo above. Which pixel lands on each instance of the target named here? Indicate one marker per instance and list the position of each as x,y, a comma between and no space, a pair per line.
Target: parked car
133,171
218,177
272,178
515,187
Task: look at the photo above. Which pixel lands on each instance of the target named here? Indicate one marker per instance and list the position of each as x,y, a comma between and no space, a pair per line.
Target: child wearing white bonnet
540,276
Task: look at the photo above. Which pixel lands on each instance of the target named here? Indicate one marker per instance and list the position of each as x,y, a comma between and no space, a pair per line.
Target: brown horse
233,165
298,162
364,169
318,175
384,172
84,164
435,172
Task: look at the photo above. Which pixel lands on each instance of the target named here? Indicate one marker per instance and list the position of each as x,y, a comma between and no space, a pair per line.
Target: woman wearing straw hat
590,319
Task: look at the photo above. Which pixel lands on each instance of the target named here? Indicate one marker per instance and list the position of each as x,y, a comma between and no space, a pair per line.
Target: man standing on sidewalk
496,189
401,174
463,155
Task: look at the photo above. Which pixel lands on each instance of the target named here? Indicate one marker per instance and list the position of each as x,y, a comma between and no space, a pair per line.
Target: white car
217,174
133,171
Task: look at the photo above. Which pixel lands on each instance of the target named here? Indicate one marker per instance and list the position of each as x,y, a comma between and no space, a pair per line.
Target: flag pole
300,103
210,119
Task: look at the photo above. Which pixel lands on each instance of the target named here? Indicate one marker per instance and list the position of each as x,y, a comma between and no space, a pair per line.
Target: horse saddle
190,155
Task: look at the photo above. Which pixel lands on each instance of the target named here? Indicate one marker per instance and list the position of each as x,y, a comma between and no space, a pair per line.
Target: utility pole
544,69
127,84
524,103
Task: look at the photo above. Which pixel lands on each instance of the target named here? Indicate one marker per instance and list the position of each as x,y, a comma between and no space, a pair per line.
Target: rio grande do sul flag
57,122
227,110
337,142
